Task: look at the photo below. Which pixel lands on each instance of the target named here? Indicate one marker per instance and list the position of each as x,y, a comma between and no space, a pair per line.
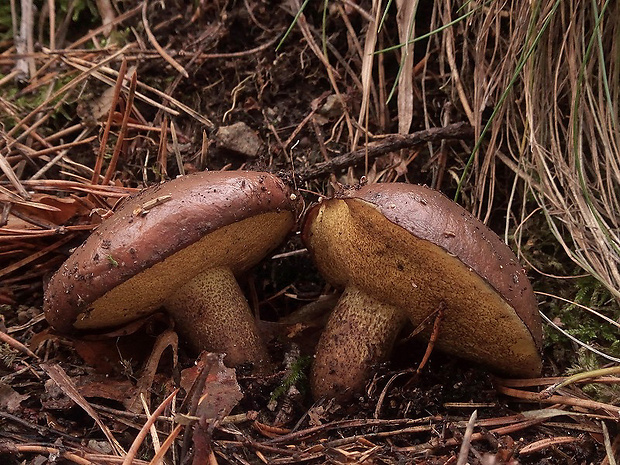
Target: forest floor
207,86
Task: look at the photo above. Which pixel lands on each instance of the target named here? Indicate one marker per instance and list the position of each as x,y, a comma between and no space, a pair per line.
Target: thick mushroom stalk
211,311
401,251
359,334
179,246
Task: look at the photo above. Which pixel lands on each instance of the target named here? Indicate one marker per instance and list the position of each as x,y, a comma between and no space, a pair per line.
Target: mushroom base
360,333
212,314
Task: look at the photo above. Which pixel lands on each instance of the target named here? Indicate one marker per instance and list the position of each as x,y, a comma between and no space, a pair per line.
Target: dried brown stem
387,144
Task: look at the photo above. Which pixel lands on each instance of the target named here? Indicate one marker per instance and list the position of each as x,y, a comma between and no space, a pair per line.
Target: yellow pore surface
354,243
238,246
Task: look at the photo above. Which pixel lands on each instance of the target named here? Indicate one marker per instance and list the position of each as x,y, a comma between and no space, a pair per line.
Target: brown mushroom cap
404,250
201,228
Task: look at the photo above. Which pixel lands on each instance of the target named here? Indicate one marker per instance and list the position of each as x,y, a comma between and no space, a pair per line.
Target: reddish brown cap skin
198,204
430,215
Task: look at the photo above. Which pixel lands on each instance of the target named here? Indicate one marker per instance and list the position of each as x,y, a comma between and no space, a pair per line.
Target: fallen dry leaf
10,398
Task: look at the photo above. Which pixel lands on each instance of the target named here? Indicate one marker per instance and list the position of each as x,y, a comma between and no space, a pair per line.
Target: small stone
239,138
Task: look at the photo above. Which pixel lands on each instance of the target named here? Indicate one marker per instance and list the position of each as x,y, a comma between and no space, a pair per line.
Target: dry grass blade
610,458
580,377
8,172
321,54
465,445
366,71
120,141
34,256
547,443
6,339
106,130
129,457
576,156
157,458
553,92
158,47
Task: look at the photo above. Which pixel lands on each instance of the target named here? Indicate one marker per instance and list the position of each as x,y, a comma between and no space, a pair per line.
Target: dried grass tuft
551,86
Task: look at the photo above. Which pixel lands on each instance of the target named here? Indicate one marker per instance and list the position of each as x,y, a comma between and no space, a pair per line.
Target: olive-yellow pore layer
390,275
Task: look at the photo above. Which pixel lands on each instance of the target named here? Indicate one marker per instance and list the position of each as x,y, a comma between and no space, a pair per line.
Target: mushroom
179,245
400,252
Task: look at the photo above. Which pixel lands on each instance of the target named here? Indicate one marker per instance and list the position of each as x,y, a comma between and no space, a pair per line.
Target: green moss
296,377
601,392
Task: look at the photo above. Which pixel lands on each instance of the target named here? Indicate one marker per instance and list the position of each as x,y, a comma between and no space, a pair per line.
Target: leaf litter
100,116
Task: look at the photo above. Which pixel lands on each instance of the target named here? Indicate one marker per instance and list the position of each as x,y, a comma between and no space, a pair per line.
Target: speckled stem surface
360,334
212,314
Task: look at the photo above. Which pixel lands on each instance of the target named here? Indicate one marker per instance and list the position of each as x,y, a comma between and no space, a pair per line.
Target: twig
175,147
159,48
166,445
16,345
433,339
62,153
23,42
354,423
39,153
466,444
387,144
106,129
14,449
120,141
563,400
548,442
131,454
43,431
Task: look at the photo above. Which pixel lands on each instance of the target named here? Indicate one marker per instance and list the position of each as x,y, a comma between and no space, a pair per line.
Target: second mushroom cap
401,252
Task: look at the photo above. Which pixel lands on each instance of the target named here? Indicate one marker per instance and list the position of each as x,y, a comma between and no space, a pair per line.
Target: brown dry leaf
105,387
218,397
93,110
10,398
102,355
221,392
108,15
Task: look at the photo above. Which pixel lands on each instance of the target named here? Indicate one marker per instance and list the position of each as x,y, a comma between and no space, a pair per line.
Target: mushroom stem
359,334
212,313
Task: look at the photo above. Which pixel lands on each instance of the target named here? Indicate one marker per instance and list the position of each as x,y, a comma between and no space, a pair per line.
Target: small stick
466,444
133,450
17,345
108,126
433,338
387,144
120,142
171,61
